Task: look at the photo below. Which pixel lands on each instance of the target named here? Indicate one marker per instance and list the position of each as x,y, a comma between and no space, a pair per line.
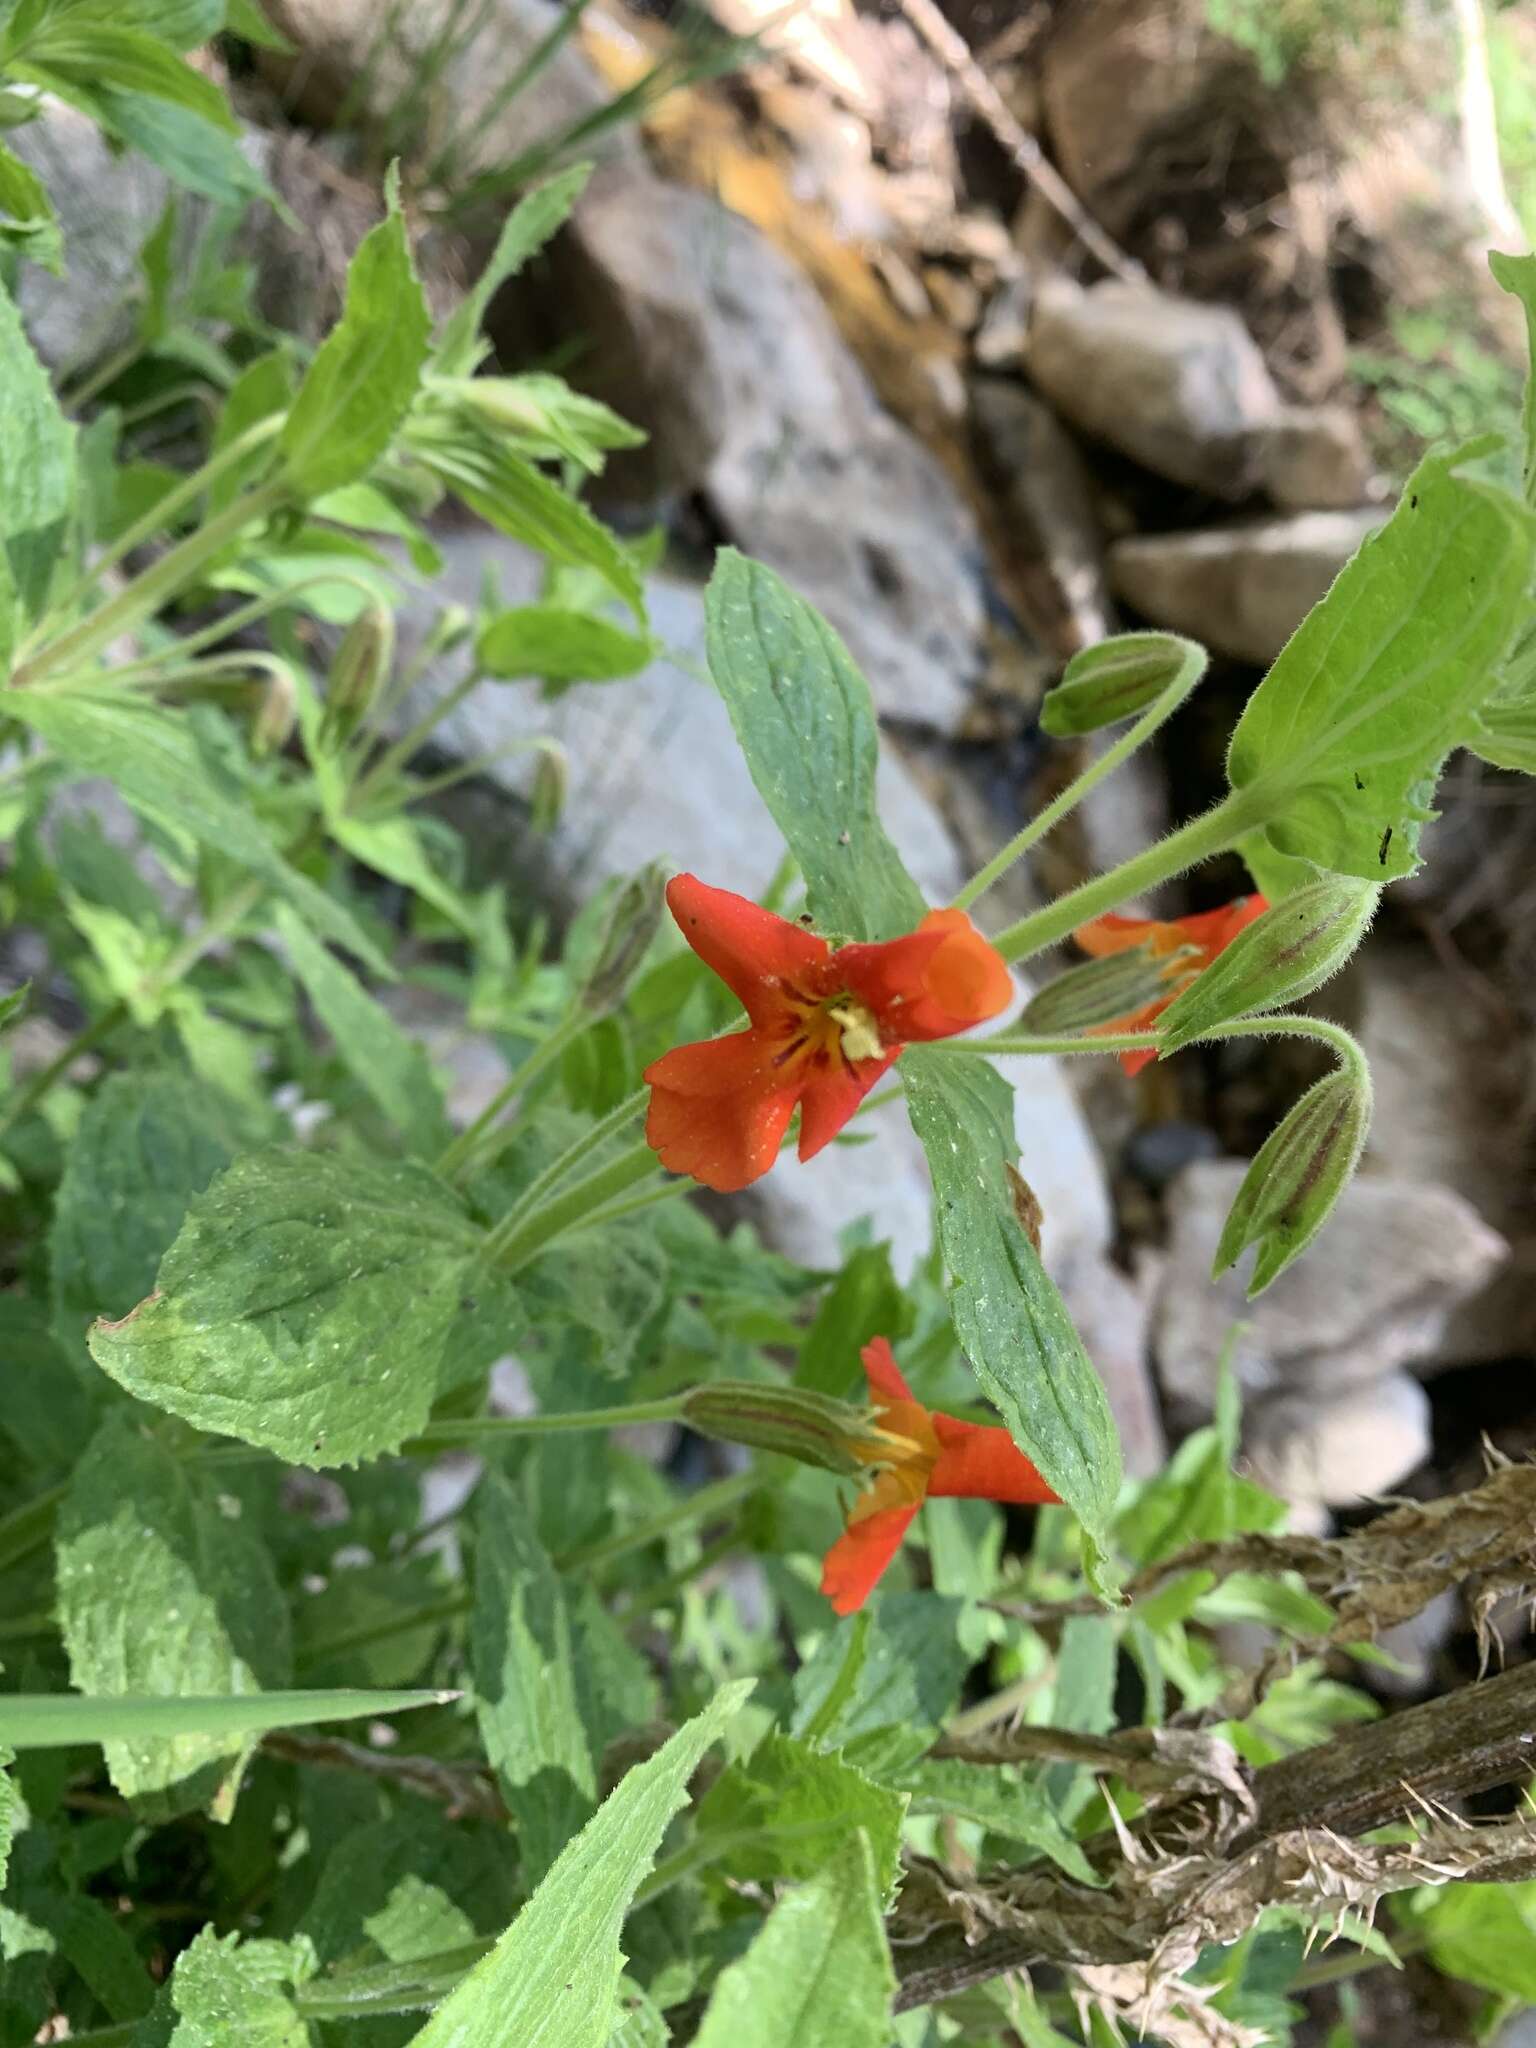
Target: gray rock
1451,1092
655,771
107,205
381,62
1043,483
1241,589
1119,78
1313,457
707,336
1351,1445
1004,329
1371,1296
1178,385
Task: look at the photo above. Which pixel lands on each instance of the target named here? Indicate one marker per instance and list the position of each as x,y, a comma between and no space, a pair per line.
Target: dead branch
468,1791
1201,1869
1382,1574
985,100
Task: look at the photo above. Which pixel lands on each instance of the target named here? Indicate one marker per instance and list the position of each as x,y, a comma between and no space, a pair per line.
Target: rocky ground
870,346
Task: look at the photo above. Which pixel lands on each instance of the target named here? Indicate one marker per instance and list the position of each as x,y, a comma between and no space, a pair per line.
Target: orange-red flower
925,1455
823,1026
1186,943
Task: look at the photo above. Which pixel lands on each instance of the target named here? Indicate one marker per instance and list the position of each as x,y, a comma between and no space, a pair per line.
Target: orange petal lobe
882,1371
753,951
984,1463
719,1110
831,1095
938,980
854,1565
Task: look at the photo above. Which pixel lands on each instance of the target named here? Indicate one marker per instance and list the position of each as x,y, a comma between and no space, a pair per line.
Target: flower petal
753,951
882,1371
984,1463
1115,934
856,1561
831,1094
719,1109
938,980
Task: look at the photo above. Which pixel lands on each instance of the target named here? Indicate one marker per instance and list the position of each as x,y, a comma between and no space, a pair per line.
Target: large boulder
1241,589
1348,1446
706,335
1041,478
1179,386
1123,79
1313,458
107,204
1373,1294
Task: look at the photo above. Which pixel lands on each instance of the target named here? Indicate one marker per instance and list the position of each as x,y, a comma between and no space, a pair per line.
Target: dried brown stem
468,1791
1201,1869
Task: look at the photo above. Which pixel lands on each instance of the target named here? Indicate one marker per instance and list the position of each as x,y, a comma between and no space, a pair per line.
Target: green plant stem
703,1506
492,1429
29,1527
518,1239
1215,831
160,582
175,966
1283,1024
400,751
1157,714
1006,1043
428,1615
658,1591
668,1191
164,509
249,615
521,1078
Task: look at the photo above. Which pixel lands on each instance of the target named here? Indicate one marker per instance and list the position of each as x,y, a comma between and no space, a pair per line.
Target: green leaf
1485,1934
524,232
407,1887
805,721
10,1810
1010,1320
13,1003
508,491
1000,1799
245,19
64,1721
263,388
612,1282
161,1592
393,847
365,376
392,1067
37,467
145,1146
552,1979
152,756
96,1944
880,1683
560,646
105,59
232,1993
304,1307
199,155
819,1974
181,23
864,1301
525,1682
28,223
804,1803
1517,274
1342,743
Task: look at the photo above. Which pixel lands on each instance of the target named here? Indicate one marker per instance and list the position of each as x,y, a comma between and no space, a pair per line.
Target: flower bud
1117,679
636,916
1298,1174
1292,949
272,727
551,782
793,1421
1104,991
358,672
